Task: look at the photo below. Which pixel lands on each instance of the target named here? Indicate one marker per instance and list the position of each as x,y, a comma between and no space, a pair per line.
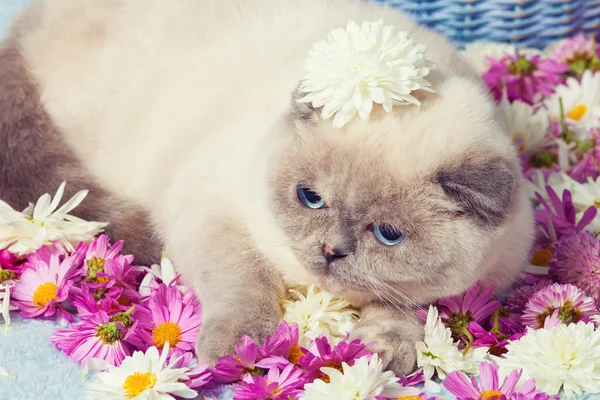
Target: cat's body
183,108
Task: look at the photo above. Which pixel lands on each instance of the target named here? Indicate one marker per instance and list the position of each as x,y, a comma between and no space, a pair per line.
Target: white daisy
558,181
585,195
319,313
5,306
165,272
43,223
364,380
141,376
526,126
581,103
438,353
564,357
362,65
476,53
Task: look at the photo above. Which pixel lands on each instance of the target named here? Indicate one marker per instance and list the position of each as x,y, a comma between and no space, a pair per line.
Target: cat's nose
332,253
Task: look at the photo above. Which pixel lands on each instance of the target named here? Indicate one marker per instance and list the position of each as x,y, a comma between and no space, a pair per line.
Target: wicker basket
532,23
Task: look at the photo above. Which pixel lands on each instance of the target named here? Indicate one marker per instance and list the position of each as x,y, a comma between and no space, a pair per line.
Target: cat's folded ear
484,190
302,112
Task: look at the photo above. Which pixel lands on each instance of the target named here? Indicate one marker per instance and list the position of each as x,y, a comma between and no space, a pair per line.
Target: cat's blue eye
310,198
387,235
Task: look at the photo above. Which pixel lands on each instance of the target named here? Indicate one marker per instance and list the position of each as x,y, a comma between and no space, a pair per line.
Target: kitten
187,109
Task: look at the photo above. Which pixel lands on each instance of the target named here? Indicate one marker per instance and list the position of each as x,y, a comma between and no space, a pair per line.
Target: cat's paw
218,337
394,335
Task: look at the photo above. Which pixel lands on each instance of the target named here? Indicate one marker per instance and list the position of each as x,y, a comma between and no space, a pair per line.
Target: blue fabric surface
8,10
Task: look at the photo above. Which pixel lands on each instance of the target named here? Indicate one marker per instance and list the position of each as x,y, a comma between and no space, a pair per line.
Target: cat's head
408,204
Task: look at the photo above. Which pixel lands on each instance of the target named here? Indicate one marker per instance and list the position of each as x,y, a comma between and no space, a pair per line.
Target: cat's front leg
395,331
239,289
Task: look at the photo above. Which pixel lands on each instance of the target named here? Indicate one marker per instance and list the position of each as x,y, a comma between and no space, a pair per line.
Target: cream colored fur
178,105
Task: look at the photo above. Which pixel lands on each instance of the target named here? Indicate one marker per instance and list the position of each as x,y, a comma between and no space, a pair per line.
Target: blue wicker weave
531,23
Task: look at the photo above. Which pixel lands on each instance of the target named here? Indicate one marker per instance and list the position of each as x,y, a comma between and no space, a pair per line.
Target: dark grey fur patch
485,191
34,159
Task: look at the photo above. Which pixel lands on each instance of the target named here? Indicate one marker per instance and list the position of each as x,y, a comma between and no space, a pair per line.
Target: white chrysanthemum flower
526,126
581,103
438,353
361,65
317,313
43,223
476,53
564,357
5,306
141,376
364,380
165,272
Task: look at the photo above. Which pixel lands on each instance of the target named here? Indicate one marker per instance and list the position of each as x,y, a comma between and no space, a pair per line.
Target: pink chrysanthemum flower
98,336
276,385
42,288
199,374
9,266
98,254
231,369
580,53
414,379
489,386
517,299
282,347
523,78
577,261
321,354
570,301
560,216
586,168
175,318
457,312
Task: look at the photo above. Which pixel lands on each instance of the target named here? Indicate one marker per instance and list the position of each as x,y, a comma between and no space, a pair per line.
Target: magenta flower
42,288
276,385
231,369
586,168
570,301
98,254
579,53
86,304
496,342
9,266
321,354
560,217
489,386
98,336
523,78
577,261
199,374
175,318
282,347
457,312
515,302
414,379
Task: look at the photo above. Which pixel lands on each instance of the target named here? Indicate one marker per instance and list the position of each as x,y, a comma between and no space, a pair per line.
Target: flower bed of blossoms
133,328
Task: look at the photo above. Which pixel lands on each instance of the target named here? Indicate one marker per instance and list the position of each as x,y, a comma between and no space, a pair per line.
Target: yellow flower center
542,257
166,332
44,294
138,382
295,354
577,112
490,395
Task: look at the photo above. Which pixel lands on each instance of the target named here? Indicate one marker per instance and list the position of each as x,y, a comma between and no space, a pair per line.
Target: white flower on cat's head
43,223
318,313
361,65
